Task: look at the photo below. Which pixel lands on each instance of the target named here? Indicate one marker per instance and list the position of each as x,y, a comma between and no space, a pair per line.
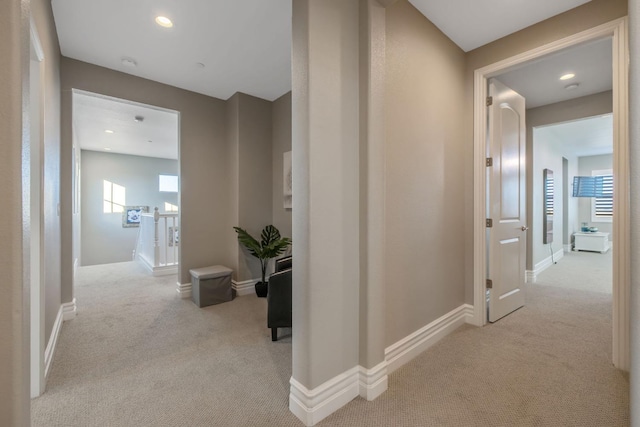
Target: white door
506,201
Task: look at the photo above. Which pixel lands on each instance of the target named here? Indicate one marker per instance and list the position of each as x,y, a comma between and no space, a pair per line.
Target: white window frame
594,217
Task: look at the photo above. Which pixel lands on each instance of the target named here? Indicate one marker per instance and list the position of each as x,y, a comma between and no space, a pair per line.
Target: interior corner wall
204,171
250,133
104,240
281,113
581,18
573,109
427,160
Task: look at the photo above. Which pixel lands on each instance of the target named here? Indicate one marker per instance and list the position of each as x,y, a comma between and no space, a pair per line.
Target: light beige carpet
588,271
139,356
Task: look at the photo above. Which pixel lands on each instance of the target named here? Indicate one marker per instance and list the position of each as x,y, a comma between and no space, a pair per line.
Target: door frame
38,369
617,30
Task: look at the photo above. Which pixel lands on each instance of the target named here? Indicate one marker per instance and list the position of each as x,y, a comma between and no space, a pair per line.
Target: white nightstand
597,242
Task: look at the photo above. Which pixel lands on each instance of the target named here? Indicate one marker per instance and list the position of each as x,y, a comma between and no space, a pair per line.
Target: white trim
621,223
530,276
50,351
184,290
543,265
35,40
312,406
409,347
568,248
163,270
246,287
69,310
374,381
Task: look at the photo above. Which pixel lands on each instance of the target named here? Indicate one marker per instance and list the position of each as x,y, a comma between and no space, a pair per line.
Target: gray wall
205,217
426,156
281,140
104,240
586,165
249,121
579,108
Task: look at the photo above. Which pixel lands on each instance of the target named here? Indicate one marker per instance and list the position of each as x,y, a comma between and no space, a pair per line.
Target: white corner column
325,149
634,160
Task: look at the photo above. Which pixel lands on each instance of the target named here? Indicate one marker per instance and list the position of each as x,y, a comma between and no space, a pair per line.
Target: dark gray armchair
279,302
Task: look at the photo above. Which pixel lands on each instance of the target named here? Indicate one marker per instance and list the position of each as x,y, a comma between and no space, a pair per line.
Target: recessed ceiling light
163,21
138,119
129,62
572,86
108,131
107,149
567,76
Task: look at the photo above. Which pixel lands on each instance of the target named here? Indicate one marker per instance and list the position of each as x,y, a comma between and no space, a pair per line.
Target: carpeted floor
139,356
587,271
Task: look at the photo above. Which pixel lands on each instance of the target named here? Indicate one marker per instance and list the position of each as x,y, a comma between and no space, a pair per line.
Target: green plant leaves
270,246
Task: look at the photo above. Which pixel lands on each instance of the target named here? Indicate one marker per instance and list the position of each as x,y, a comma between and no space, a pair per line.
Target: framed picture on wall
132,215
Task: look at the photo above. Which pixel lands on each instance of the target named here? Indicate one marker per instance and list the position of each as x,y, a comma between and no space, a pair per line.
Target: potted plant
270,246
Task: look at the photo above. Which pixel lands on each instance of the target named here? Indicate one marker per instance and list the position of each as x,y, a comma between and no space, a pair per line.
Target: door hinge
489,101
489,284
489,223
489,161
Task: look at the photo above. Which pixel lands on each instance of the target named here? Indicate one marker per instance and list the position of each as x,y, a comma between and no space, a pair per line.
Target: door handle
524,228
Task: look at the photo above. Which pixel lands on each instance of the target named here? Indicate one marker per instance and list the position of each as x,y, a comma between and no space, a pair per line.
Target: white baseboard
312,406
373,382
69,310
184,290
543,265
407,348
53,341
246,287
530,276
163,270
568,248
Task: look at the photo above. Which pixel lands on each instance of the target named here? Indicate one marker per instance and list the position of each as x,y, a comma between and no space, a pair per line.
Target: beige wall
281,119
574,109
426,156
251,117
582,18
205,218
14,322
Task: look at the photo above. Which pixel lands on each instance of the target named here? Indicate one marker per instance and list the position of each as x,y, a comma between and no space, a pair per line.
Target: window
168,183
602,207
113,197
168,207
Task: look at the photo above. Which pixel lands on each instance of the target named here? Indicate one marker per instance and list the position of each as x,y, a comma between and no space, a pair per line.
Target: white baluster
156,244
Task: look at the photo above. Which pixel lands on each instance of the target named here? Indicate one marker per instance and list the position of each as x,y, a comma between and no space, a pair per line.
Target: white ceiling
155,136
474,23
539,81
245,46
586,137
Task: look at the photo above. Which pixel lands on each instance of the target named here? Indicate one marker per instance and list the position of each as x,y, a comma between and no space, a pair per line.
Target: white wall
104,240
548,154
586,165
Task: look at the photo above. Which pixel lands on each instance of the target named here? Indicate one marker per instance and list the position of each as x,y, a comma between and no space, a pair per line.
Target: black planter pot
262,289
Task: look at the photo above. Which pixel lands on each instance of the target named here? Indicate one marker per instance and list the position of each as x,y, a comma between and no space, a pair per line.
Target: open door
506,202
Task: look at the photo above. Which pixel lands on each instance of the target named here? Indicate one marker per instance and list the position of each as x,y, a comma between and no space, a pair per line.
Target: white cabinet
597,242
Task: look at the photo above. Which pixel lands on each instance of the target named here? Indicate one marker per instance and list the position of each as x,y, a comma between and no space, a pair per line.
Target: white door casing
617,30
507,200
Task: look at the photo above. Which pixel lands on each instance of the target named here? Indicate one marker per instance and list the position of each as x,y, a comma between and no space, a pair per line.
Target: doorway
617,31
125,166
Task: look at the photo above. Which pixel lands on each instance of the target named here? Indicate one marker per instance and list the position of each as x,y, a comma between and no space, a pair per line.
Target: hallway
137,355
